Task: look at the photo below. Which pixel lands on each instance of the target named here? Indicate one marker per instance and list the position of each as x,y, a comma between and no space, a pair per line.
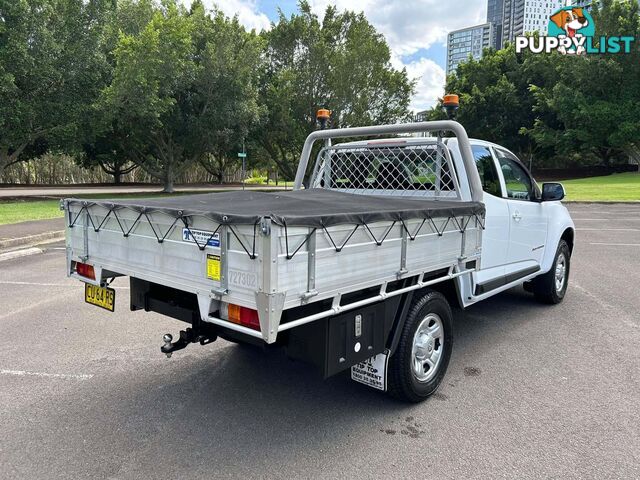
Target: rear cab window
487,170
387,166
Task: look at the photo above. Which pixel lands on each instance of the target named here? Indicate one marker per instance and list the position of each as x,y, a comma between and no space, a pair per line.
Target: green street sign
242,155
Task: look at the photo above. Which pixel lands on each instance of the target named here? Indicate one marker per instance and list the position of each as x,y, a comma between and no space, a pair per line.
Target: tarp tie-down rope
461,225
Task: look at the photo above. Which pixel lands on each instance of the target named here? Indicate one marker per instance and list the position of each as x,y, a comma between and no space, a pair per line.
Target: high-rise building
525,16
494,16
506,20
467,41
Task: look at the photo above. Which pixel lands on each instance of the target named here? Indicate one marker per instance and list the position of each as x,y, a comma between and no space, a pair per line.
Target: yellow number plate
102,297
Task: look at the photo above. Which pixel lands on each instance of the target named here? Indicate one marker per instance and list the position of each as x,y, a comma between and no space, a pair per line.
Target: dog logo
571,31
574,24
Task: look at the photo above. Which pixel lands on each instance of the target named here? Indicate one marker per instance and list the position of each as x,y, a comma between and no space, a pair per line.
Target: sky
416,30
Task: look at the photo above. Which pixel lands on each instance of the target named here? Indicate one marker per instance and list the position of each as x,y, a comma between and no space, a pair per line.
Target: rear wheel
552,286
421,359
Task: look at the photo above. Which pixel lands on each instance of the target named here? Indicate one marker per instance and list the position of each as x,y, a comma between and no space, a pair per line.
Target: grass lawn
16,211
619,187
271,183
21,211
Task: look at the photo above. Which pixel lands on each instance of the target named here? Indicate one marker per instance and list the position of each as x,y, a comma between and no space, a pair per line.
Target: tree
104,143
495,97
593,108
227,82
587,119
110,153
340,63
49,72
554,106
184,87
151,70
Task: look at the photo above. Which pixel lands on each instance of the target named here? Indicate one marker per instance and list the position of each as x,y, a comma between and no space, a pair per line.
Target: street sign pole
243,156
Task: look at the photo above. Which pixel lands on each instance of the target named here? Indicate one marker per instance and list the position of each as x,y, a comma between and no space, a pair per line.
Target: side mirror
552,192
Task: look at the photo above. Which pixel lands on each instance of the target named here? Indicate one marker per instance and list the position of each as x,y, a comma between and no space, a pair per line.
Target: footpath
20,239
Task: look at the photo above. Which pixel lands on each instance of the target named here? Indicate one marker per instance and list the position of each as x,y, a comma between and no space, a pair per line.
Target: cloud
410,26
246,10
413,25
430,79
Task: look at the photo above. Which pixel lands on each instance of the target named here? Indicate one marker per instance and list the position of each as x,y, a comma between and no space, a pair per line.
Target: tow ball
186,337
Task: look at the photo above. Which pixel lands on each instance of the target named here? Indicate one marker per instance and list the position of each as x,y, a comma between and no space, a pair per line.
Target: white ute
356,272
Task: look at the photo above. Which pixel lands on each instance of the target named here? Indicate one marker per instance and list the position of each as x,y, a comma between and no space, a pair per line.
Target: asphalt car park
532,391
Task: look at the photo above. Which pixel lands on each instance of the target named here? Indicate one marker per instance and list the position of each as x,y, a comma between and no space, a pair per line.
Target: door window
517,181
487,170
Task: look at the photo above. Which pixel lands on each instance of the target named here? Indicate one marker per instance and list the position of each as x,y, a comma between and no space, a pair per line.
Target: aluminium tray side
150,244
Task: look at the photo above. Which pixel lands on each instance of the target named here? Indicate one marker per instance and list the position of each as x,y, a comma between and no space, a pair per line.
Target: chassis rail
337,308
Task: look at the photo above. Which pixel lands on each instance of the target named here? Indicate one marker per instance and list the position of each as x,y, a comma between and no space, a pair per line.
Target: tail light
85,270
246,317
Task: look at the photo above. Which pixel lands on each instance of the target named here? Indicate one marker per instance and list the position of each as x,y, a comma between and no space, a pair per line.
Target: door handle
516,216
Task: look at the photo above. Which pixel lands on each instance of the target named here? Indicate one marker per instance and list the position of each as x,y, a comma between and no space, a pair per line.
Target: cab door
496,234
527,219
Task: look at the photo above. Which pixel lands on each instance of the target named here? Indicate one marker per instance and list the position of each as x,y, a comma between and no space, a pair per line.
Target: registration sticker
213,267
373,371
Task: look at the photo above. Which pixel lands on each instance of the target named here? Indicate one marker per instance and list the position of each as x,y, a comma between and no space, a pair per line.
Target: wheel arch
402,382
448,289
569,236
558,231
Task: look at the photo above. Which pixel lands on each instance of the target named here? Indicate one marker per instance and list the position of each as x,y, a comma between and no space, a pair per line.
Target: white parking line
39,284
20,253
24,373
32,305
604,219
616,244
610,229
601,301
611,214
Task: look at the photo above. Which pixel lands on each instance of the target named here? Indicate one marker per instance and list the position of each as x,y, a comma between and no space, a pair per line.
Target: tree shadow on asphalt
240,408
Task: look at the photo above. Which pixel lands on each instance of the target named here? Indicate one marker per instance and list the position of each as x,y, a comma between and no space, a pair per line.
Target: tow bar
190,335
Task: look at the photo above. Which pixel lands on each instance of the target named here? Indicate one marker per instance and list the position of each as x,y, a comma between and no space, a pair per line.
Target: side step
485,287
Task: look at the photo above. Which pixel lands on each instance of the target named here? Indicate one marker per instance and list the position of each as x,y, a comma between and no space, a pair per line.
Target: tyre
421,359
552,286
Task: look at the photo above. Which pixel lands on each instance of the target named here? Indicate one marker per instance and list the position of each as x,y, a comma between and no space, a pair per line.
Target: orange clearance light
451,103
234,313
243,316
451,100
323,114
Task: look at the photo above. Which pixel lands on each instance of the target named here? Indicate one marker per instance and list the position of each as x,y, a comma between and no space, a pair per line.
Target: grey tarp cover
305,208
